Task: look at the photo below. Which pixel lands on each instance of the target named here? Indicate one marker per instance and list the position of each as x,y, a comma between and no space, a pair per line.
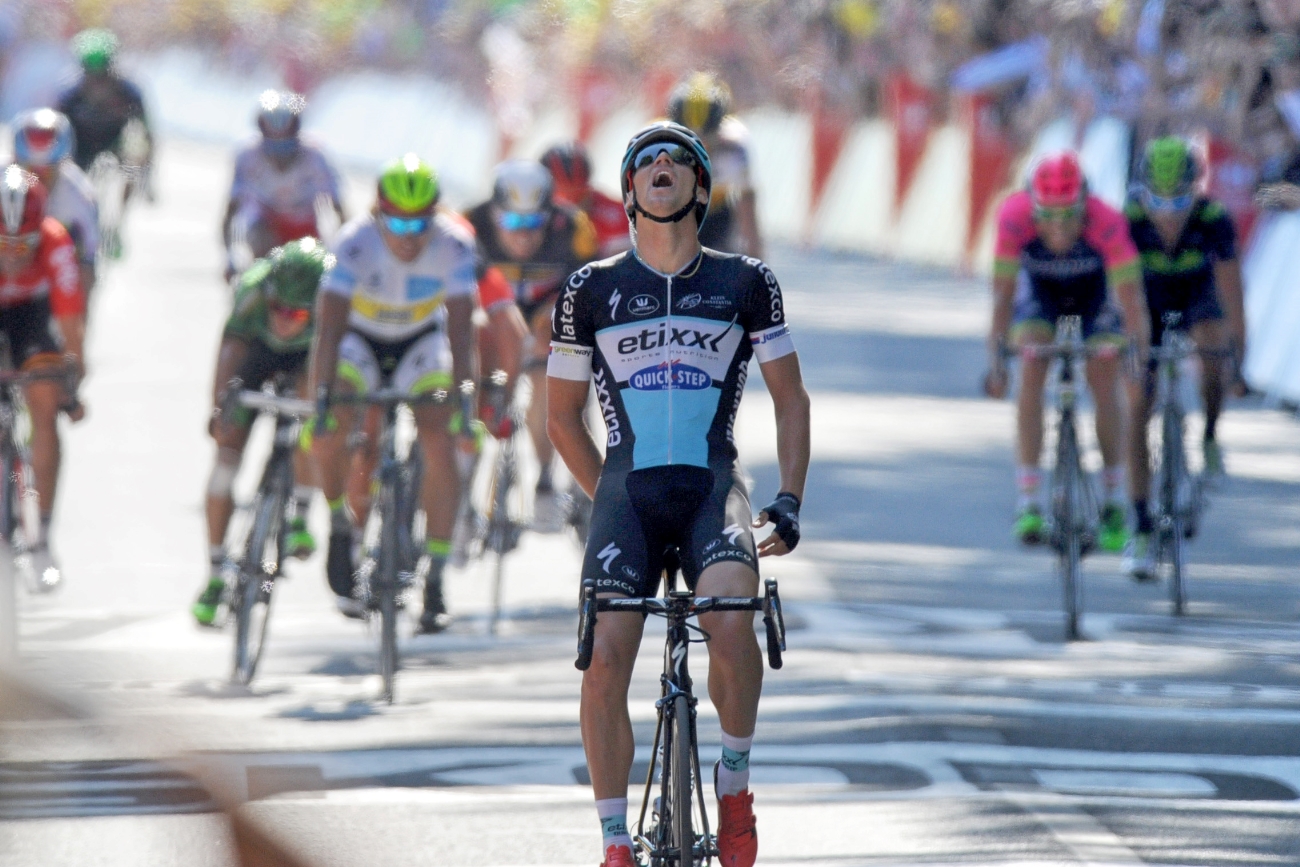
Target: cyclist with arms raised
666,332
267,336
1189,266
570,168
42,315
701,103
534,243
277,182
1061,251
395,310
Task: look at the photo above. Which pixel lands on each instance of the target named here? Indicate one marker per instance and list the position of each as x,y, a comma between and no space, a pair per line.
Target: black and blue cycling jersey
668,352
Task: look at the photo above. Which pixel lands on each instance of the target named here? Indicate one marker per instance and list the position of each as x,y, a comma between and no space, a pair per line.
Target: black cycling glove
784,512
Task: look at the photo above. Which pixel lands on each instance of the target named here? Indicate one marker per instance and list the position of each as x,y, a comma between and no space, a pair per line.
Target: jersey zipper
668,358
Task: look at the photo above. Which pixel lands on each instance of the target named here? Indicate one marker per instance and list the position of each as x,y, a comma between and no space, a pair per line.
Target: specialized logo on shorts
676,375
608,554
643,305
733,532
692,300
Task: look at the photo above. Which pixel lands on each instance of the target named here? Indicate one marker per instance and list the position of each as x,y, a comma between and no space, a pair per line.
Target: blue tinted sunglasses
512,221
405,225
679,154
1161,203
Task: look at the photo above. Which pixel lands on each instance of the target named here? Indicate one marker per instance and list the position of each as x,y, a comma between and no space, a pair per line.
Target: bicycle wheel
502,532
1172,474
1069,518
10,504
252,596
682,839
386,588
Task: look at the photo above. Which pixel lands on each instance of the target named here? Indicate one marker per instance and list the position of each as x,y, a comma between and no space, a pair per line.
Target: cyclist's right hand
494,410
995,383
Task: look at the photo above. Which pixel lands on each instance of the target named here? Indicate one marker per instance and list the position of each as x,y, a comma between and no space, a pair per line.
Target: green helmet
1168,169
295,271
95,49
409,185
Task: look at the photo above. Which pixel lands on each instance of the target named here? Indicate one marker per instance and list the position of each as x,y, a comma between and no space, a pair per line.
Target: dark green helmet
1168,169
295,272
95,49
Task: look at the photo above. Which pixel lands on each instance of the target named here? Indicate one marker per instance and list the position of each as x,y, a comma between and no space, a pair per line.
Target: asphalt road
929,712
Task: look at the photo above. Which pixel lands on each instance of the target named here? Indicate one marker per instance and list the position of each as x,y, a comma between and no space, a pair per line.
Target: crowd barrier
903,186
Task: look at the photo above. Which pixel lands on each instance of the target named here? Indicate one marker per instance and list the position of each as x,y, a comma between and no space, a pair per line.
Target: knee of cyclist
222,480
610,663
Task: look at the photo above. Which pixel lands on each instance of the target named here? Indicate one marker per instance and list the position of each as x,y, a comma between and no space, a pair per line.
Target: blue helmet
42,138
667,131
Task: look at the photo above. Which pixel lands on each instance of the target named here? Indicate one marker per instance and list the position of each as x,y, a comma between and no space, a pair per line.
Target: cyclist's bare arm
1227,279
73,331
332,312
793,432
1004,295
230,357
460,332
1132,301
566,400
508,330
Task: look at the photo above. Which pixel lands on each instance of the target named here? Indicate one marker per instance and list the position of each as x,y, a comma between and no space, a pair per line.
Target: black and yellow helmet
700,103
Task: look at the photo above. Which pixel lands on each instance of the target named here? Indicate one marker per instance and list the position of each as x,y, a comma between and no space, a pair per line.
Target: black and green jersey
1174,279
250,319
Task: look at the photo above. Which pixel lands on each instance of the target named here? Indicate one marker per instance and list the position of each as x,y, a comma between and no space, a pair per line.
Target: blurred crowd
1226,68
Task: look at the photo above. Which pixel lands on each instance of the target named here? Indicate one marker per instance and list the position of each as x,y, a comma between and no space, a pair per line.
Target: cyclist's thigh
1105,327
1033,322
720,535
426,367
619,558
31,341
358,368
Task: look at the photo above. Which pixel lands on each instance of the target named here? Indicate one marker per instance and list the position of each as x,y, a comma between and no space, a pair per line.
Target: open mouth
662,178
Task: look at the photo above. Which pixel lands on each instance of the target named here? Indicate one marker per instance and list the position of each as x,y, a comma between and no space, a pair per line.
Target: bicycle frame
671,840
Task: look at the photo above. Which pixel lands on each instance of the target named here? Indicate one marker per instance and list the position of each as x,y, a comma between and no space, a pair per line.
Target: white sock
613,823
733,770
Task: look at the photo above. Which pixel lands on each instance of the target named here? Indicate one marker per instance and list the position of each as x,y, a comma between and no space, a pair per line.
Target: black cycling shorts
637,514
29,328
1202,307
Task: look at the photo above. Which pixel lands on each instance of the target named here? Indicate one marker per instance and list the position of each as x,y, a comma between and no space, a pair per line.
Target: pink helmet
1057,181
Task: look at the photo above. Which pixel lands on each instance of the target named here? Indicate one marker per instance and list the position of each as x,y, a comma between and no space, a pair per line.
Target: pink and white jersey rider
1104,254
72,202
393,300
260,186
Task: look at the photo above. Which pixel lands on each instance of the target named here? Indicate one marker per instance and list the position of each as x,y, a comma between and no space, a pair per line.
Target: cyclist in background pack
570,168
666,332
278,180
267,335
395,310
701,103
534,242
1076,258
1189,266
102,103
43,144
43,317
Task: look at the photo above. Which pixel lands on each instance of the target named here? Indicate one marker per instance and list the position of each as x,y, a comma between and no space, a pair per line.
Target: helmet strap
676,216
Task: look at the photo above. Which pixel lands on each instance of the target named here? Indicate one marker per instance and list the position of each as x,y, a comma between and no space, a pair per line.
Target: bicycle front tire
386,589
1173,470
1069,528
682,841
252,606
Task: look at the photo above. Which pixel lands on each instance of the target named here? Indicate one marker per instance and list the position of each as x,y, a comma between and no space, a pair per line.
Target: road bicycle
1074,516
1179,495
20,521
678,833
260,558
113,175
393,536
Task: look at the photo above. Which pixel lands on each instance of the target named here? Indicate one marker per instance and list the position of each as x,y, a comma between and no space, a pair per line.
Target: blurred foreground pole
23,703
8,606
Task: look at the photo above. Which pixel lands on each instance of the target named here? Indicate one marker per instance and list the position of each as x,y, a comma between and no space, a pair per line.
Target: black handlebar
681,605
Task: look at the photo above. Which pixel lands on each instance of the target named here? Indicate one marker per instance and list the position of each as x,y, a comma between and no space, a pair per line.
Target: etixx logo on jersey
666,375
643,305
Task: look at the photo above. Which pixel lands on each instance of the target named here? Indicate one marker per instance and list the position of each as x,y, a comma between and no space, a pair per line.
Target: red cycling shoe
737,837
618,856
